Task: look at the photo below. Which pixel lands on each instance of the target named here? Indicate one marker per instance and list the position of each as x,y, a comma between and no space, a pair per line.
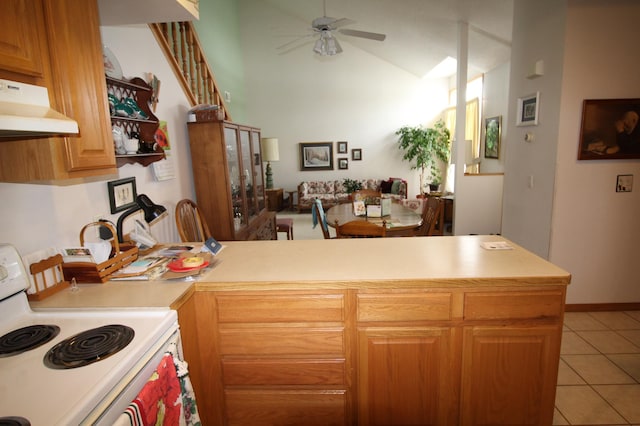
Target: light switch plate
625,183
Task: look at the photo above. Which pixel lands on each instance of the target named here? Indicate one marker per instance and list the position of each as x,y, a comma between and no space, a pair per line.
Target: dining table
401,222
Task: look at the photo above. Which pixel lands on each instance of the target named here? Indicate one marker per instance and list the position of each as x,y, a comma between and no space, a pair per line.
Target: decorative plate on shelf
111,65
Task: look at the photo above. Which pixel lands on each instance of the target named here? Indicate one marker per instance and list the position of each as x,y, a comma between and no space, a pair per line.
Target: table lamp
152,213
269,147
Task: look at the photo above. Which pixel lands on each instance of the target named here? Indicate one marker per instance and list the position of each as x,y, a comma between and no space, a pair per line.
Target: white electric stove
73,394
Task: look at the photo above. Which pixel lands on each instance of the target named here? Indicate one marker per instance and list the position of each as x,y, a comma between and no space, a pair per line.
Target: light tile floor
599,372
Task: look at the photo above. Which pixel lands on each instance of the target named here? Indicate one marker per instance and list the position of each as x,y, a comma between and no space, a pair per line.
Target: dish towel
318,211
166,399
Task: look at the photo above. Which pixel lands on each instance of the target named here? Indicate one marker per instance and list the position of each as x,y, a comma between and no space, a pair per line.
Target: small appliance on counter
73,366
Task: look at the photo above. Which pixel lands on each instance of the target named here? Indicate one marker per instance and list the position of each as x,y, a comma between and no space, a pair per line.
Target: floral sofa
333,192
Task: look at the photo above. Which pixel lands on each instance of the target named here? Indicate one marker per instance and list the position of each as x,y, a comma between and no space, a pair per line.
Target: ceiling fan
326,44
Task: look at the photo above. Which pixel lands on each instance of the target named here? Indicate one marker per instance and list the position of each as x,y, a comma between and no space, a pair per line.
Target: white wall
41,216
354,97
595,231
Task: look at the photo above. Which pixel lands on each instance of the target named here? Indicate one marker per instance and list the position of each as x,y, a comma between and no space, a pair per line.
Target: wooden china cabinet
229,183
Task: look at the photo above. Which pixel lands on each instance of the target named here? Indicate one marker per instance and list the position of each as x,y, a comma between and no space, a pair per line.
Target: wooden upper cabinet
21,44
67,38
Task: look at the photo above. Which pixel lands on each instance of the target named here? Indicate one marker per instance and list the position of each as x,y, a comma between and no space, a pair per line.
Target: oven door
118,399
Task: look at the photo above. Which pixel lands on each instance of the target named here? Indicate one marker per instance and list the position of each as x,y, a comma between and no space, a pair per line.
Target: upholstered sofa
332,192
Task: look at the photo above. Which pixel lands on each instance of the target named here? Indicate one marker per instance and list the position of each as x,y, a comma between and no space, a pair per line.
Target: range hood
25,111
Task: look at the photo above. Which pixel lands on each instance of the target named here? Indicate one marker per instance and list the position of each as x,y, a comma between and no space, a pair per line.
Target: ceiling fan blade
363,34
289,43
341,23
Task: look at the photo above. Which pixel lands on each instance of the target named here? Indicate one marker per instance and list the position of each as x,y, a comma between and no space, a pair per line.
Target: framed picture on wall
343,163
528,107
610,129
122,194
492,134
316,156
356,154
342,147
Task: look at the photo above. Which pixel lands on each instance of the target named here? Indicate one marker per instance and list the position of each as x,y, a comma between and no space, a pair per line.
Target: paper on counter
496,245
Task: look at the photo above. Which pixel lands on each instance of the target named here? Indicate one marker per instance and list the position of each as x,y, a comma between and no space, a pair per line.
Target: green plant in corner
424,147
351,185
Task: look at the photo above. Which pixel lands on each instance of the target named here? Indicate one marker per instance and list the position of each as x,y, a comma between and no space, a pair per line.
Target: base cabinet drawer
281,407
301,372
282,341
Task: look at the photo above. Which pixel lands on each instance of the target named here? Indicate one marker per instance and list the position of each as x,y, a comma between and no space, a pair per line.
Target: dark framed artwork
610,129
122,194
492,136
528,107
342,147
316,156
343,163
356,154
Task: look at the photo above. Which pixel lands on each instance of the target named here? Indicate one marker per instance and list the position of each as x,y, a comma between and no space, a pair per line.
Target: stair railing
181,46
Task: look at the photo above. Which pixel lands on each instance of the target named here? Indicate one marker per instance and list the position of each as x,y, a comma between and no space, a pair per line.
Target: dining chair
431,218
319,218
191,225
361,229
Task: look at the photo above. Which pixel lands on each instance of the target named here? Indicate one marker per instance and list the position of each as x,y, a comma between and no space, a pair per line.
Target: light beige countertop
333,264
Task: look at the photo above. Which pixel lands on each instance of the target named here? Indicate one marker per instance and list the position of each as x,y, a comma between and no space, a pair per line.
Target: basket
210,115
85,272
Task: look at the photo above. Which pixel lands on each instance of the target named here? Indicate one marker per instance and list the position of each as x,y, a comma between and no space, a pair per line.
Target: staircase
181,46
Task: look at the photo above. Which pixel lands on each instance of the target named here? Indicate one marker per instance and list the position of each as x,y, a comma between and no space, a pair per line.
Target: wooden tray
85,272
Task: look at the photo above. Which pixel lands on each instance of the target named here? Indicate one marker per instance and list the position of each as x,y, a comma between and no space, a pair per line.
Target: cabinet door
509,375
247,173
22,48
258,175
407,376
234,165
81,93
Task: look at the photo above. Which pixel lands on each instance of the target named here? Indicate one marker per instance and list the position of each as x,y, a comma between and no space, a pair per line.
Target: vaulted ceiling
420,33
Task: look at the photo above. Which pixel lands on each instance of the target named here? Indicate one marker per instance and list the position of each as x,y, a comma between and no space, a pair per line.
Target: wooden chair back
318,210
190,223
431,217
361,229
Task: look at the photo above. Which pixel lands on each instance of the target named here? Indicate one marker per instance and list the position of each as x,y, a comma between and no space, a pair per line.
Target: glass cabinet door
247,173
235,178
258,175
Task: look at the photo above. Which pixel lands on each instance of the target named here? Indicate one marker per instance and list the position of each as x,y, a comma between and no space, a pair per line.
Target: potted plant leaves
425,147
351,185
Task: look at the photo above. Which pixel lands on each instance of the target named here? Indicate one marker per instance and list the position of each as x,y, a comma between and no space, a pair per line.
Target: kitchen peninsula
435,330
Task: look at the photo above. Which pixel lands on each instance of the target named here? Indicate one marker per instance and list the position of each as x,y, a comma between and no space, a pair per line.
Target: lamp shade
269,148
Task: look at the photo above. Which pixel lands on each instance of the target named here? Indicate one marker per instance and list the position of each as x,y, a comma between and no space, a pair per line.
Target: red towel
159,402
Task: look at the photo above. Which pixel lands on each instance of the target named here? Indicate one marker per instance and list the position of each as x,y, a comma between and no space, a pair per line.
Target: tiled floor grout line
599,352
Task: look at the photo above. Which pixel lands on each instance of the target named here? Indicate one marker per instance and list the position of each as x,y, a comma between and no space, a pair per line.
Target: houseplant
351,185
424,147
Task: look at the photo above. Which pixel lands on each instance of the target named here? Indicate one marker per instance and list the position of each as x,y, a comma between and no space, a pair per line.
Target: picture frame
609,129
316,156
343,163
356,154
492,136
528,108
122,194
342,147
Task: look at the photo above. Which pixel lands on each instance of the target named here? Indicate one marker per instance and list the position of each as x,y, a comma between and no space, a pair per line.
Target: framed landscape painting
610,129
316,156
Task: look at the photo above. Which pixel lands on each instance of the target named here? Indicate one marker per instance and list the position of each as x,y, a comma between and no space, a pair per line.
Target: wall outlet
624,183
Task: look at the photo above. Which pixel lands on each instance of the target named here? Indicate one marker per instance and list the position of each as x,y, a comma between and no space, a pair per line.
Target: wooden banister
181,46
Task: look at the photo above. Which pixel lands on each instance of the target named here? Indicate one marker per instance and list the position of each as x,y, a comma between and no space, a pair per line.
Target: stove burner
88,347
26,338
14,421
